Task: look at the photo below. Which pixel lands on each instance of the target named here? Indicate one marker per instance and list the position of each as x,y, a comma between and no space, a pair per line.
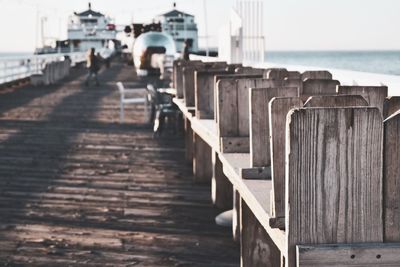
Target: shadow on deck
79,189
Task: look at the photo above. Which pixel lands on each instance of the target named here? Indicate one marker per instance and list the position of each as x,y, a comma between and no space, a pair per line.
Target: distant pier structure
181,26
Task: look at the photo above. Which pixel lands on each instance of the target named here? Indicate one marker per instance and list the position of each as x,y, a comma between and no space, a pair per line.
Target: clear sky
288,24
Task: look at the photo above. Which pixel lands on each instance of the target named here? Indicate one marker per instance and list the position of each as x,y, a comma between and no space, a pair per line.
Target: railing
17,68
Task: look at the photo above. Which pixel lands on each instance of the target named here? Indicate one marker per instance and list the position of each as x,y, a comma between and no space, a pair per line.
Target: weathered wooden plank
234,145
236,215
333,177
278,110
390,106
276,73
391,178
253,73
227,108
296,75
314,87
221,188
316,74
336,101
375,95
188,84
202,160
188,141
372,254
259,124
256,247
178,76
260,173
204,92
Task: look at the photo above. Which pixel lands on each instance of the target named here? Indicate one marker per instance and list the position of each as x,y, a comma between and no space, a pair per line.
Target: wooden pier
79,189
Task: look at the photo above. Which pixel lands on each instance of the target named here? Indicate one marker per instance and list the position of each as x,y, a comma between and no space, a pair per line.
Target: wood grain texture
188,84
204,92
227,108
278,110
316,74
315,87
375,95
391,178
188,141
336,101
79,189
236,215
256,248
276,74
221,187
259,122
229,76
294,75
333,177
178,75
234,145
390,106
372,254
260,173
202,161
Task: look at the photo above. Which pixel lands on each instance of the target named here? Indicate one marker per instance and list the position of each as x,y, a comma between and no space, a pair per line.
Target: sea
382,62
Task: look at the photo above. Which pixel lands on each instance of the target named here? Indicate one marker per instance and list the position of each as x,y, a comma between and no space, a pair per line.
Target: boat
87,29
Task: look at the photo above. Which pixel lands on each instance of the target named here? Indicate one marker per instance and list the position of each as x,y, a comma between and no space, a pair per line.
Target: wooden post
278,110
391,178
276,74
256,247
375,95
259,124
390,106
316,74
204,92
336,101
188,84
188,141
221,187
236,215
333,177
202,160
314,87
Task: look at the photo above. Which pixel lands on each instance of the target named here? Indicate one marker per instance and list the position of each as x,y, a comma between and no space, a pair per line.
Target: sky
288,24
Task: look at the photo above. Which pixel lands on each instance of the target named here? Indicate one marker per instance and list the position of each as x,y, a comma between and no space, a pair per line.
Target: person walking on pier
185,51
93,65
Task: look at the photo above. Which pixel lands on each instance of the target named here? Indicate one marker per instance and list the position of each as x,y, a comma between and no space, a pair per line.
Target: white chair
123,100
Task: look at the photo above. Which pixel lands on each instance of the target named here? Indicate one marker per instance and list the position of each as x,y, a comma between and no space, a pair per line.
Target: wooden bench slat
316,74
259,122
390,106
391,178
333,177
375,95
336,101
278,110
372,254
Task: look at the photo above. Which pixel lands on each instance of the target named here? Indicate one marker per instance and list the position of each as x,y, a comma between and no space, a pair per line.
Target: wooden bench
324,205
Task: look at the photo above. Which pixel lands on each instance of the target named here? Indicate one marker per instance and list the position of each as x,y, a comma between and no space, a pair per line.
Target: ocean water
15,54
384,62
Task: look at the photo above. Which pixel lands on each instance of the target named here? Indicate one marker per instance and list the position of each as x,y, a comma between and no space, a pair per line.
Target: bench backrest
259,121
204,91
375,95
313,87
333,177
316,74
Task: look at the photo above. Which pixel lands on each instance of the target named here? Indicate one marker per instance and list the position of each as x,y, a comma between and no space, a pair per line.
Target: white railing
20,67
16,68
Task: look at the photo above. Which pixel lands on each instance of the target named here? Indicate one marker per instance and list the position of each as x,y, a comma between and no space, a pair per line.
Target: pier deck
79,189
